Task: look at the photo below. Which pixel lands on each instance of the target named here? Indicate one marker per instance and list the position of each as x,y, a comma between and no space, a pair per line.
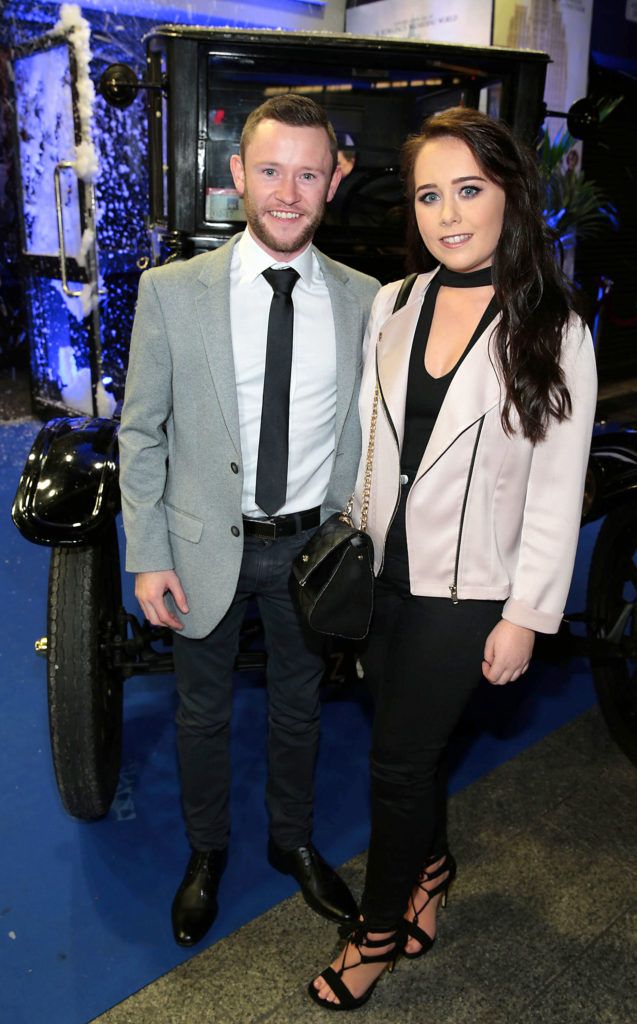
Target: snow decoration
75,384
88,298
88,239
75,381
121,191
86,164
118,142
78,32
79,306
46,135
54,329
105,401
73,305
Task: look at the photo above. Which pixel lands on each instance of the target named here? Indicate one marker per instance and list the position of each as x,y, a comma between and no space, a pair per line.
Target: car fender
69,488
611,479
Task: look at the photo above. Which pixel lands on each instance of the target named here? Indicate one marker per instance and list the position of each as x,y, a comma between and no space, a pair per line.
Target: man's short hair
292,109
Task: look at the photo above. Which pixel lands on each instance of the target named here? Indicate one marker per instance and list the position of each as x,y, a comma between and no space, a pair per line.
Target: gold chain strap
369,465
401,299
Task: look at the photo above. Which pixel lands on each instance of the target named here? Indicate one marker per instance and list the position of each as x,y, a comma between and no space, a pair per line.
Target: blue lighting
553,219
626,65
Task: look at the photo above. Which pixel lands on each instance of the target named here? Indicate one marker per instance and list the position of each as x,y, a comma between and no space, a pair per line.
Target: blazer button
234,467
235,531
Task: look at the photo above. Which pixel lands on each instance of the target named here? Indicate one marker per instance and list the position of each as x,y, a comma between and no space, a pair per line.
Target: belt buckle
267,530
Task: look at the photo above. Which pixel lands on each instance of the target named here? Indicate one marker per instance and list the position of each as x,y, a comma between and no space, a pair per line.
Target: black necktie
272,464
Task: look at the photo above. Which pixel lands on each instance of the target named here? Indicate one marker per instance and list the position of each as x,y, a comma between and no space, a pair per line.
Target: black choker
472,279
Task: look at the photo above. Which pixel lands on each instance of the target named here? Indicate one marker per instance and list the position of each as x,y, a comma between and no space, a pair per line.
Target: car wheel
85,691
612,611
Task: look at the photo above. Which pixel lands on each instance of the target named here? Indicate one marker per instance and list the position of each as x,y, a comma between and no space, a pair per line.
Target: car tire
84,690
612,588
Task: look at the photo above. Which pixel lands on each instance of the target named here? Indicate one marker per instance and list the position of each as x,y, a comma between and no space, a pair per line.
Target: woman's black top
425,395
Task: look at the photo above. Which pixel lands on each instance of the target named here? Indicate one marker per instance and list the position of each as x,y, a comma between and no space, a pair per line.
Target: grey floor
540,928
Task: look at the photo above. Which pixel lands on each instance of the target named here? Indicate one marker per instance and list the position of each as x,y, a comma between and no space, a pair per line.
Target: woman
482,387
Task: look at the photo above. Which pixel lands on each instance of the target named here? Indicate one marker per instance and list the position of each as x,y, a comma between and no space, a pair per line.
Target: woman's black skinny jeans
423,660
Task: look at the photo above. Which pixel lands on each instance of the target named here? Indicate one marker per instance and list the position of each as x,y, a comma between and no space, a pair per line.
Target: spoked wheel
612,615
85,691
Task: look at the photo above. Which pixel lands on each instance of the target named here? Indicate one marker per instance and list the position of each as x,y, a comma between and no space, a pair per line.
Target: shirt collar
253,260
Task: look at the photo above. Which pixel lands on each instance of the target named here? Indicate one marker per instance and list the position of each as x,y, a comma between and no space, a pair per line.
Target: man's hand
150,588
507,652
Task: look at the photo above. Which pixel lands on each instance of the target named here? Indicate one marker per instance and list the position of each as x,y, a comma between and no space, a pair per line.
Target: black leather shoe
323,890
195,903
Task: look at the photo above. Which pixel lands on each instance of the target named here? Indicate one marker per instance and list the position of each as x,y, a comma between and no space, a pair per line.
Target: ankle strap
448,865
393,945
359,936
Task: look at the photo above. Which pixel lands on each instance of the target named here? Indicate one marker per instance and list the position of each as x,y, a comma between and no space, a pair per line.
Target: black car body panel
69,490
612,472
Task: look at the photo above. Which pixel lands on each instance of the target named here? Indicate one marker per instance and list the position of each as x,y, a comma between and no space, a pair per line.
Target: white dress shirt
313,379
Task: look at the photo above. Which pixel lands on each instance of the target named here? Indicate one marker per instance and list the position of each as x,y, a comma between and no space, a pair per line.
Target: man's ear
238,174
334,183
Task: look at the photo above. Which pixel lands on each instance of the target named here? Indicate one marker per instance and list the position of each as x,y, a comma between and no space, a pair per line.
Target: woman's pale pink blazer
489,516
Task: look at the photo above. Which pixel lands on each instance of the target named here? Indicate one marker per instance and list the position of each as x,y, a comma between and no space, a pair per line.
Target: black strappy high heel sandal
360,940
448,868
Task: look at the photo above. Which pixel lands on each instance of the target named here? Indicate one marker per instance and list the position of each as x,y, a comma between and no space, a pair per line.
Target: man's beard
260,230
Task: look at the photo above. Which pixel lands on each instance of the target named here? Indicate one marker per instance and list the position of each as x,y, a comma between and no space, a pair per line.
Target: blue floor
85,907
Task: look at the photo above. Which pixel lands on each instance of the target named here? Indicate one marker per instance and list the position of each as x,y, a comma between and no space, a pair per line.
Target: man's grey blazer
181,470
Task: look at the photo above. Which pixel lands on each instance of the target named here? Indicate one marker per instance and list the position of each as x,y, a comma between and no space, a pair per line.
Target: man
239,435
346,155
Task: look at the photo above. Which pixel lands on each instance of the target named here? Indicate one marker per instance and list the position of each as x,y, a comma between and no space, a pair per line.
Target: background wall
319,15
561,28
451,21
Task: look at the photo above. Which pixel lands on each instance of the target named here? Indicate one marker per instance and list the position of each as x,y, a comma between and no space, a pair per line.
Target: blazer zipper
454,586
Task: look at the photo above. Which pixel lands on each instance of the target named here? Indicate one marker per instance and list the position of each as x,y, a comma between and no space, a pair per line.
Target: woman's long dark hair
531,290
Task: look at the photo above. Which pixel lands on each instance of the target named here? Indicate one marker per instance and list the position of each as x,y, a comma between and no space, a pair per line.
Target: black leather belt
282,526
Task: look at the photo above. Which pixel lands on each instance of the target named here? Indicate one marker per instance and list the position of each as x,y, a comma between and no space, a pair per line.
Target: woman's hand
507,652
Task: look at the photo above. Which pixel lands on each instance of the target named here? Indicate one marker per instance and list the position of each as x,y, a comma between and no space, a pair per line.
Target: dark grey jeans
204,683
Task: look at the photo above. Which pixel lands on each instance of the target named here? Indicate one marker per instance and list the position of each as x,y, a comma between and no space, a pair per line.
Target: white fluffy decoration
76,382
86,164
88,238
78,30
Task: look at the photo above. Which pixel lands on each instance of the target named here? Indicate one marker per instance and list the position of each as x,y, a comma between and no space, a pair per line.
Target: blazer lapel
392,356
473,391
348,332
213,312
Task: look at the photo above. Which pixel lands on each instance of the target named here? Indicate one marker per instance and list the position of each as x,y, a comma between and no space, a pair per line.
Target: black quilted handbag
333,579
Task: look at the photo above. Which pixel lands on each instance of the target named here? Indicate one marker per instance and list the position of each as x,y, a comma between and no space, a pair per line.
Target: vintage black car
199,86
